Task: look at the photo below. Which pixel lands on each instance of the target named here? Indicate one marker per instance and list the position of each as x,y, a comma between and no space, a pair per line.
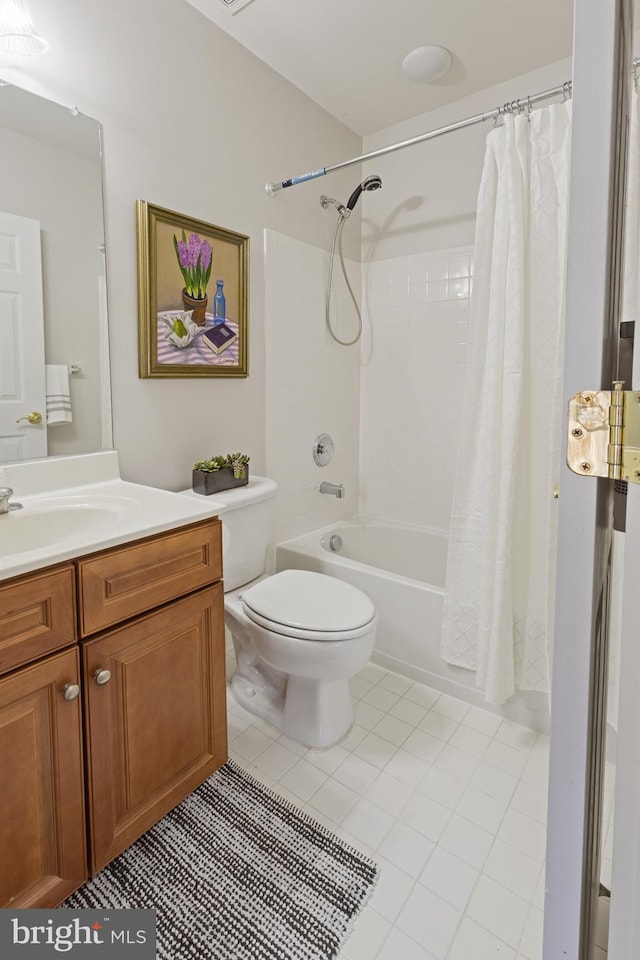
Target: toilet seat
309,606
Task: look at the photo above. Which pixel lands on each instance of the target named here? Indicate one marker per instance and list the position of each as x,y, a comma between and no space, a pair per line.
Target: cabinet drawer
121,583
36,616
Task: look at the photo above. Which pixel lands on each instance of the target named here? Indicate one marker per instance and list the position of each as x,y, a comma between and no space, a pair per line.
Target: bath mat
235,872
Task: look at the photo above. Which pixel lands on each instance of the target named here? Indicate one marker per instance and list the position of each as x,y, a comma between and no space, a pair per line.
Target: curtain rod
514,106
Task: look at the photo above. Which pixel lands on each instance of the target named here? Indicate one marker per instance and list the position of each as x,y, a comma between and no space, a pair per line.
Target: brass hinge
604,433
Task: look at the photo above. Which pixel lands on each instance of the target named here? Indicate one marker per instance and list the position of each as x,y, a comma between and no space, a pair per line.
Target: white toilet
298,635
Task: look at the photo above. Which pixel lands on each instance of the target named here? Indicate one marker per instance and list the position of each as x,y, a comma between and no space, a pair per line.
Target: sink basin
78,505
41,527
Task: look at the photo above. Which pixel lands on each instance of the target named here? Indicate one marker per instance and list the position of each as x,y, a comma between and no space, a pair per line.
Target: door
156,716
22,379
42,827
601,86
624,927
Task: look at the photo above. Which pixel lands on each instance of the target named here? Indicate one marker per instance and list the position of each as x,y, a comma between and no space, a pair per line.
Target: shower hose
337,240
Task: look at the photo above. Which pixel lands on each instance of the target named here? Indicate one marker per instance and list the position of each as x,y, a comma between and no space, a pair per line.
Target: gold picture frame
192,296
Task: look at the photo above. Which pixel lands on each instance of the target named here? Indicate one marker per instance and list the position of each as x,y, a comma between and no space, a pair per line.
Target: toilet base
317,713
262,703
256,686
314,714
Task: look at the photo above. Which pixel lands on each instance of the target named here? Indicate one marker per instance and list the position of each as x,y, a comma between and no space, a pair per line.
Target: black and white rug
237,873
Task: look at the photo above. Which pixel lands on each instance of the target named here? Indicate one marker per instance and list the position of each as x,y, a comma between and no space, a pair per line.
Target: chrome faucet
335,489
5,494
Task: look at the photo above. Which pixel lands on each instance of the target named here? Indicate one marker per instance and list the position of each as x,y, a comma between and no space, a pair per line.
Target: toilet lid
302,600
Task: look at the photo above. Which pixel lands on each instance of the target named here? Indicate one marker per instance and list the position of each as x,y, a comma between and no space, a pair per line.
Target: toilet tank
247,521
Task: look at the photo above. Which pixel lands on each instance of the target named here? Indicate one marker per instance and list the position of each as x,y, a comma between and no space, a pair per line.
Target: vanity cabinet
102,739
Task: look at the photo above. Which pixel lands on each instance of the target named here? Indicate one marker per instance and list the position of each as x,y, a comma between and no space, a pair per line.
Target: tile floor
449,799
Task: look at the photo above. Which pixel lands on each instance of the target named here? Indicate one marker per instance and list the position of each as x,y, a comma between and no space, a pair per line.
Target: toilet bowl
299,636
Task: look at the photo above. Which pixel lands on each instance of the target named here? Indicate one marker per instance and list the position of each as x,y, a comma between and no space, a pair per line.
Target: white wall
192,122
313,384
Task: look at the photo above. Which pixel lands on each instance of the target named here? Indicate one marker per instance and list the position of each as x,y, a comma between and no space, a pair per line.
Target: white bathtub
402,569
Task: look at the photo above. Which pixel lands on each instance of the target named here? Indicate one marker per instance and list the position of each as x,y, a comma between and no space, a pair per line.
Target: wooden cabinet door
42,826
157,728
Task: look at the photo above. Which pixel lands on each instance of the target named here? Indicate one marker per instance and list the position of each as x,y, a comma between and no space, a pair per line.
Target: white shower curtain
498,606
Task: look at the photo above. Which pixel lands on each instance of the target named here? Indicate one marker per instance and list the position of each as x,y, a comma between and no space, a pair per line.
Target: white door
22,379
624,928
601,85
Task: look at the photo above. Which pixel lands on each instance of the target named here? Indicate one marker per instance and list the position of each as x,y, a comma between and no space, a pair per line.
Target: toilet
298,635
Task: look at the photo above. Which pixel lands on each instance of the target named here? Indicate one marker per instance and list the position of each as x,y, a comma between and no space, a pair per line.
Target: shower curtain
498,605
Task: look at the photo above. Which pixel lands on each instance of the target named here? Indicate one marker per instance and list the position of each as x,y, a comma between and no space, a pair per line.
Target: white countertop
61,520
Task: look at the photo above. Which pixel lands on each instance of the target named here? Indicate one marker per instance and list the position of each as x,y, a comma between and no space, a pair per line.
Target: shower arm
514,106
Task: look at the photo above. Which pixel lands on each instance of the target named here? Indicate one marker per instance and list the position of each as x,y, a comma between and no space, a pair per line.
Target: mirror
51,186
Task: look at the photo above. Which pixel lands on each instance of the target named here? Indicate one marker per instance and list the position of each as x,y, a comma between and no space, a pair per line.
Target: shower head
369,183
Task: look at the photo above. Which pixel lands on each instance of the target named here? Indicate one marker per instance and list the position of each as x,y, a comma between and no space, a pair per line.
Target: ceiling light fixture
17,33
426,64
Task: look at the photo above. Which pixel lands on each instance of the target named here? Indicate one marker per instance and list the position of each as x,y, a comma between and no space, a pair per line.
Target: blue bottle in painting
219,304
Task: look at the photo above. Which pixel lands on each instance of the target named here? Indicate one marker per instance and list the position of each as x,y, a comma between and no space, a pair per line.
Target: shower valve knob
323,450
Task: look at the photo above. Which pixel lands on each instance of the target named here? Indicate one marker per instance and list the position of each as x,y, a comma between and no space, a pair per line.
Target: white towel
58,393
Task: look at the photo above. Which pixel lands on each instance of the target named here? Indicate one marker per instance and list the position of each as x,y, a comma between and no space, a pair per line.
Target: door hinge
604,433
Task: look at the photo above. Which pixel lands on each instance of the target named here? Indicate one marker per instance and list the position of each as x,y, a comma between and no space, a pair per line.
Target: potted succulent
220,473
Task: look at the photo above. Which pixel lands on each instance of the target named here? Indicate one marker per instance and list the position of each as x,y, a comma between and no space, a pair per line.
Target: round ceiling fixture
426,64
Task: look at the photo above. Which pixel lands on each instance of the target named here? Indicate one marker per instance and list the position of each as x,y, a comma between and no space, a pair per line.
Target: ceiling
347,54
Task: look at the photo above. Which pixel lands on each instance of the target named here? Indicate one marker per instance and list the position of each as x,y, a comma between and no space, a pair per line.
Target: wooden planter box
208,483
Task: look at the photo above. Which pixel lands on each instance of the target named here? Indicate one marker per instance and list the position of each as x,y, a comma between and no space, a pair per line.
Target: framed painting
192,296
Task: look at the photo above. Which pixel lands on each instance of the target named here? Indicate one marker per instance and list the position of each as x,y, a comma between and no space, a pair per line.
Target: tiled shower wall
412,381
312,385
393,406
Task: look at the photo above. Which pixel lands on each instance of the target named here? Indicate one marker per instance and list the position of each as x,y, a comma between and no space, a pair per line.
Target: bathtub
402,569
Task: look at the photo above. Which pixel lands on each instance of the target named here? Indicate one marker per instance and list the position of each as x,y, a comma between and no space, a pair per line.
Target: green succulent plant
212,465
235,461
238,463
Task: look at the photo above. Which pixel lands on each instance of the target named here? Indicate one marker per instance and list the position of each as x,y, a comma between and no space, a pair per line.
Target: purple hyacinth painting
182,263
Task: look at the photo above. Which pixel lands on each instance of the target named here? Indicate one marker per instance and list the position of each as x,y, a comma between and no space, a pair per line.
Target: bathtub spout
335,489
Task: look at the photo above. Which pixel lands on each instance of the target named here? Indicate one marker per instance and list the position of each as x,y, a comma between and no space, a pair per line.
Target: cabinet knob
102,676
71,691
